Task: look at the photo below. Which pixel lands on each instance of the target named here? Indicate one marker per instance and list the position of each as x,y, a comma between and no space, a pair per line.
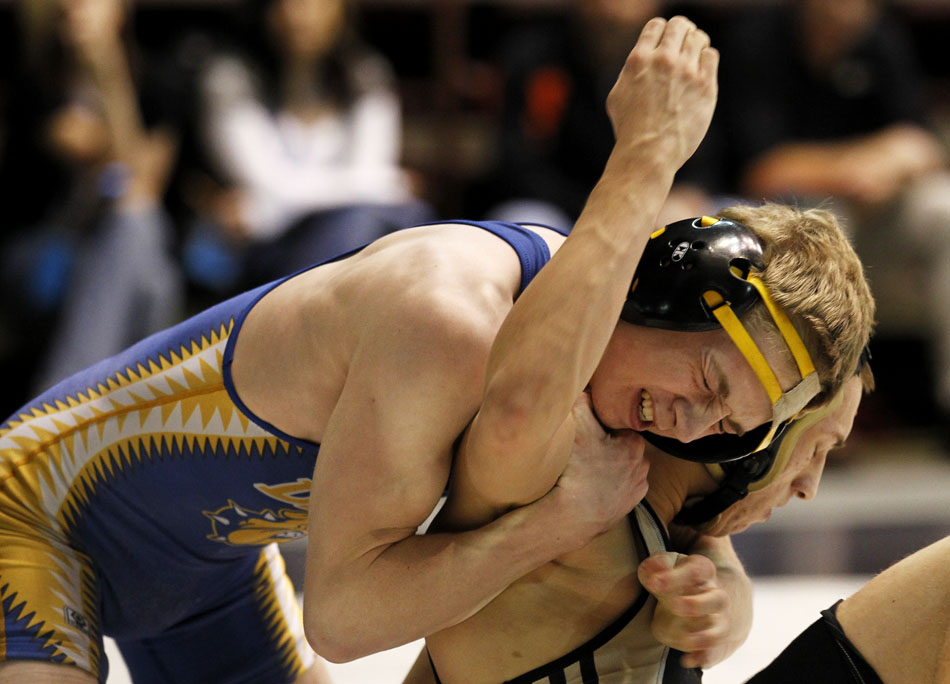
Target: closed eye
720,426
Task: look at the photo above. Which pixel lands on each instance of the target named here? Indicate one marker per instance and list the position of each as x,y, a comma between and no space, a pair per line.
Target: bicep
386,452
372,486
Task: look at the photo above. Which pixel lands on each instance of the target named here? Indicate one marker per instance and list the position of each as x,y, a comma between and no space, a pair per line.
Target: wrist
545,530
633,182
649,160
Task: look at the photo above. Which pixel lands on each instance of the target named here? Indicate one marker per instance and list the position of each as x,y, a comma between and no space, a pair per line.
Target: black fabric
822,654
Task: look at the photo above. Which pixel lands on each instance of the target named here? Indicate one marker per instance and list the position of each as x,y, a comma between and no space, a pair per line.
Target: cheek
770,497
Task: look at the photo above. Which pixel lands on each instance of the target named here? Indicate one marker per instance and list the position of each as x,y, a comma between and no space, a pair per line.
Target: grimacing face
683,385
802,474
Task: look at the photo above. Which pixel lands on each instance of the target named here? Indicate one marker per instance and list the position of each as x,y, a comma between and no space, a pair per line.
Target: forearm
144,156
552,340
797,168
422,584
875,165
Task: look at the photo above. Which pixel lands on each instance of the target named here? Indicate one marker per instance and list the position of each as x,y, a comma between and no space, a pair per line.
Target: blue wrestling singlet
140,498
624,652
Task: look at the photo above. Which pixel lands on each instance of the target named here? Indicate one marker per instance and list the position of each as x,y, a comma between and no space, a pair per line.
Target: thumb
654,571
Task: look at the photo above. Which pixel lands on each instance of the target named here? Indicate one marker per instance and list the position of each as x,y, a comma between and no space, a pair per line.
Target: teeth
646,407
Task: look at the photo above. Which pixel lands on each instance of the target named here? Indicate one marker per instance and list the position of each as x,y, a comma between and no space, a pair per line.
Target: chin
605,423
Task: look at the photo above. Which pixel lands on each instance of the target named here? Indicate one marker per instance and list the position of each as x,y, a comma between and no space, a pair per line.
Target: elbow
329,642
513,418
332,635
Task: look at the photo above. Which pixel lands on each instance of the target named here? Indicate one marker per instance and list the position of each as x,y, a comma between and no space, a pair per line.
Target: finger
674,35
653,572
695,42
694,659
695,639
709,62
691,575
652,33
692,636
697,605
689,636
633,442
582,402
583,412
687,575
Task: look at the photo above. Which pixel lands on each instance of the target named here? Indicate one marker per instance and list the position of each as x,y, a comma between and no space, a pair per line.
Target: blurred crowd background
157,156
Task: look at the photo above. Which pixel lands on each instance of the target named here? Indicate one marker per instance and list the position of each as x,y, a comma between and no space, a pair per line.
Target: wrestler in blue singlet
140,498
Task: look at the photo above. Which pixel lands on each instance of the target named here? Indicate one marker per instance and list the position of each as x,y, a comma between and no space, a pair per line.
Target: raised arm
554,336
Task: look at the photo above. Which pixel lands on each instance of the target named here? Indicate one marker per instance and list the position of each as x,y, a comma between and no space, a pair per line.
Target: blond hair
814,274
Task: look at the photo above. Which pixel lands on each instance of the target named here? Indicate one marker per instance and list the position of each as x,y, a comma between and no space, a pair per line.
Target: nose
694,421
805,485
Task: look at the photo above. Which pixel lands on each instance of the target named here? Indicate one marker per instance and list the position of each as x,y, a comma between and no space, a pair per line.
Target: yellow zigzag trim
127,377
267,597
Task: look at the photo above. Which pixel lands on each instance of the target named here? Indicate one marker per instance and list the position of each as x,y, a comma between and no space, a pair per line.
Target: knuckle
702,567
718,601
665,61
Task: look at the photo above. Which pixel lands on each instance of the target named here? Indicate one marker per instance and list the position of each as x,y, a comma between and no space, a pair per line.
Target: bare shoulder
424,302
448,275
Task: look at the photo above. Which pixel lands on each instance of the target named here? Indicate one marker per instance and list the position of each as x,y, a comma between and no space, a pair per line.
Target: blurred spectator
555,132
821,102
91,142
302,128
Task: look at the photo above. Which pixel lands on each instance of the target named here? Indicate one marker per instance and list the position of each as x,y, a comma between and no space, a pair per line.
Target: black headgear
686,259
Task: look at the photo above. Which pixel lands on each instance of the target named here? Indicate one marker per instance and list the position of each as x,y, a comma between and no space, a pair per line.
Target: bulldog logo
238,525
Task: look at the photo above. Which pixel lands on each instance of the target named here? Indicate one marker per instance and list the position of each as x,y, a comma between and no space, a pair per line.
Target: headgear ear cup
685,260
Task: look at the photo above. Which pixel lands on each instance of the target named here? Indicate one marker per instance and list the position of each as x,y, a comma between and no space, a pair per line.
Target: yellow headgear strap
785,405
